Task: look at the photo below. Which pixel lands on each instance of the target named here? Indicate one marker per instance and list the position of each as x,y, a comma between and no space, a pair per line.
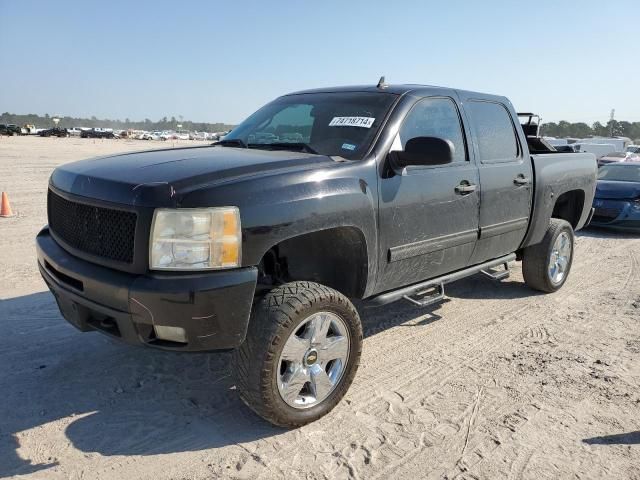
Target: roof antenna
382,83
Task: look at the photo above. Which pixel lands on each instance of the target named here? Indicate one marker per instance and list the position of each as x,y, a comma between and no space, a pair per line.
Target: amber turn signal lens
230,225
229,254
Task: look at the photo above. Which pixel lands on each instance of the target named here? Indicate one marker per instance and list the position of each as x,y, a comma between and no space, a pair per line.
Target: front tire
546,265
300,355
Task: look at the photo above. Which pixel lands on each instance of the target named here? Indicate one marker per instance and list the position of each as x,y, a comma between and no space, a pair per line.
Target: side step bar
424,298
497,274
413,292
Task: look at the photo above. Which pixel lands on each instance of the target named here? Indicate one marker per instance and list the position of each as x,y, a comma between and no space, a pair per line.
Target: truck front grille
99,231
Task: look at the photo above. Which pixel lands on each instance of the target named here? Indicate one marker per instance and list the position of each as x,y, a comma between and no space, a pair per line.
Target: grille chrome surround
102,232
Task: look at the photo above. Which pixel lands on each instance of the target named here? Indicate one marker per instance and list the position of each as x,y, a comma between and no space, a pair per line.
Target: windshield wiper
232,142
297,146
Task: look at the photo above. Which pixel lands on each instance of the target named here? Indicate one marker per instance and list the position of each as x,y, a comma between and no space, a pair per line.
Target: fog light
173,334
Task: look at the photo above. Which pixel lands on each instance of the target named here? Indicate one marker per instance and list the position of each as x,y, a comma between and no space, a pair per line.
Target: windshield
620,173
341,124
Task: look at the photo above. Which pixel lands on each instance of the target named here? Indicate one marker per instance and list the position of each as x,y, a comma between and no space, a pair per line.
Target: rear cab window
495,132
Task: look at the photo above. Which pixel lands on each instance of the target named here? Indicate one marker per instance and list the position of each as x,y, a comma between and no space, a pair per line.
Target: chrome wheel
560,257
313,360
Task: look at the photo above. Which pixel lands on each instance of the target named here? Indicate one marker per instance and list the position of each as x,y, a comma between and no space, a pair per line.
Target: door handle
465,188
521,180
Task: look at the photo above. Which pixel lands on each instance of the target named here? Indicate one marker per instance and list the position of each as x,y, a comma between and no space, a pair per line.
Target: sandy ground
498,382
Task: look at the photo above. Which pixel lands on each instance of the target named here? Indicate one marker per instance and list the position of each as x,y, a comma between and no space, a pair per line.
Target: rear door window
495,133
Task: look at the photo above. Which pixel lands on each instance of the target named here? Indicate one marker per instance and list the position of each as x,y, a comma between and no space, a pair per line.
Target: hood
617,190
160,177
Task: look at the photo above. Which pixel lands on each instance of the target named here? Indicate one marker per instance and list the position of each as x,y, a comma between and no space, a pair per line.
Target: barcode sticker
363,122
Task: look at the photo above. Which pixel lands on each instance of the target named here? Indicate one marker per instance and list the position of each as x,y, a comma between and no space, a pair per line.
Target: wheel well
336,257
569,207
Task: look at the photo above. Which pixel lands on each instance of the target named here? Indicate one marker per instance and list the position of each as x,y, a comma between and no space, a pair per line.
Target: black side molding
423,247
504,227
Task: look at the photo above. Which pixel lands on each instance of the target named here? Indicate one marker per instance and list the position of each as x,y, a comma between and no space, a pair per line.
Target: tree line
551,129
93,122
597,129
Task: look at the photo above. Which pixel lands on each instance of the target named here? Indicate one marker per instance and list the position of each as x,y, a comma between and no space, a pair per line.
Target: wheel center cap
310,357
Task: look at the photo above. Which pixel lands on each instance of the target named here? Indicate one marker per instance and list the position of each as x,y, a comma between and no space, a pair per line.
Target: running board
412,293
497,274
425,297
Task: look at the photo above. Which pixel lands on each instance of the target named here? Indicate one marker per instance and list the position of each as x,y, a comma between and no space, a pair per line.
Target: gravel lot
498,382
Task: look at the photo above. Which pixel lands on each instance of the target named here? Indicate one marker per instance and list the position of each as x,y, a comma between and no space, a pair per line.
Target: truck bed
554,174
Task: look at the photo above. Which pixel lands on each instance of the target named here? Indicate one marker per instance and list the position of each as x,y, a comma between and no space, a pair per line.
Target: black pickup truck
55,132
257,243
10,130
96,133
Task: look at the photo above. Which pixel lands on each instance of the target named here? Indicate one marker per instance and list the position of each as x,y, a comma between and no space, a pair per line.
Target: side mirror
424,151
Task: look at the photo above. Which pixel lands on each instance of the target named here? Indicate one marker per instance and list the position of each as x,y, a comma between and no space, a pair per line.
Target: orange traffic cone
5,206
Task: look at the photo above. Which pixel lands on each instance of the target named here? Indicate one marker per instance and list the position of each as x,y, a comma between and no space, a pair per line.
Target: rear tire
292,393
546,265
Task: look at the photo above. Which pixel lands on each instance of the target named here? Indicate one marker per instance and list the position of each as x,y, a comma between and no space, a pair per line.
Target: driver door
428,215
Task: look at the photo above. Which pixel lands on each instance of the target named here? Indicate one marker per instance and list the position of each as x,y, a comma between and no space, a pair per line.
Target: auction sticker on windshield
364,122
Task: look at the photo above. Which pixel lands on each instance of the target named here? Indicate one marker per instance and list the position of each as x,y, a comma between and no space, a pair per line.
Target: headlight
195,239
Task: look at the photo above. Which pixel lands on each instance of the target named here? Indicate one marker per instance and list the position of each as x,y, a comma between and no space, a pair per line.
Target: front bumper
619,214
212,307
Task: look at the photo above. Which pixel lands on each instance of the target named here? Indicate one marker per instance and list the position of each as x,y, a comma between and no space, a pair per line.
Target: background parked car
633,149
75,131
199,136
218,136
10,130
565,148
54,132
30,129
617,199
598,149
619,143
617,157
95,133
150,136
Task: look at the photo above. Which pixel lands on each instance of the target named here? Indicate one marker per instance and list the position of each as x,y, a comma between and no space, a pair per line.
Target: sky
220,61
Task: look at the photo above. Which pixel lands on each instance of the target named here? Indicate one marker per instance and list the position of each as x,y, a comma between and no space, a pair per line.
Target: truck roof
397,89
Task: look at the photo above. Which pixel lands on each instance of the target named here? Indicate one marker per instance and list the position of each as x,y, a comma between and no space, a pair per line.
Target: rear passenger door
505,178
